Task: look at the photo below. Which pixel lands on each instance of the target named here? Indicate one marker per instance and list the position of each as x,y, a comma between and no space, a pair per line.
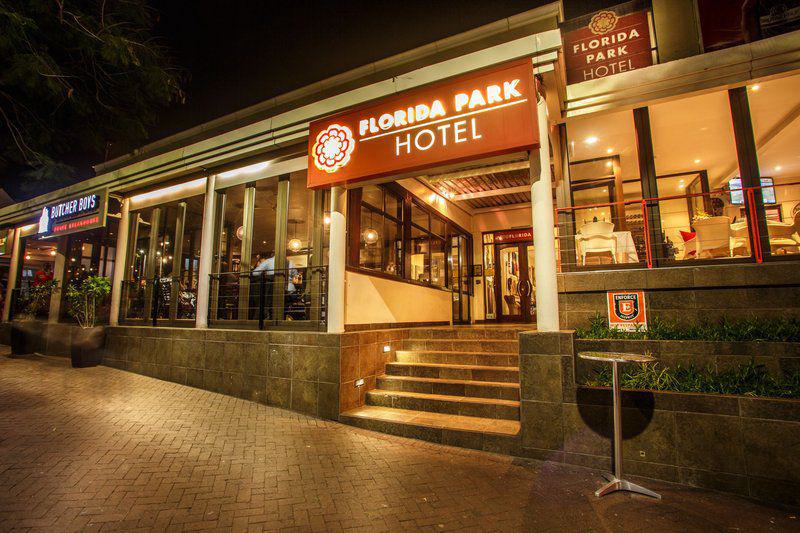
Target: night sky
241,52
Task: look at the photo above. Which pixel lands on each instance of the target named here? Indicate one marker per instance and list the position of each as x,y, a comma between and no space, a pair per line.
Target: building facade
518,173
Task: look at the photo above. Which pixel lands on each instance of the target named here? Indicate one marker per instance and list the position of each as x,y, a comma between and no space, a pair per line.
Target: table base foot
615,485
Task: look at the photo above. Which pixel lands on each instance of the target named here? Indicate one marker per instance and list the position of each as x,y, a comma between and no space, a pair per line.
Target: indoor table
615,480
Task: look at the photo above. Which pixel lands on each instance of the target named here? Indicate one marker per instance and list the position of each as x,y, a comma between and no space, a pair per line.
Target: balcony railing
294,296
697,228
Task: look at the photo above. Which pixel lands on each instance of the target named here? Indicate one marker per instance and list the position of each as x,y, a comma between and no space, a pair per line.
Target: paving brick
100,449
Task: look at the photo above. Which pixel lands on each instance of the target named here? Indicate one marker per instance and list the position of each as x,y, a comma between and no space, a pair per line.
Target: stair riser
465,334
503,412
450,389
504,376
455,358
485,346
509,445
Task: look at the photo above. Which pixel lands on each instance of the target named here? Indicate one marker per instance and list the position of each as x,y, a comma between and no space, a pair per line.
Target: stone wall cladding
292,370
362,357
686,294
735,444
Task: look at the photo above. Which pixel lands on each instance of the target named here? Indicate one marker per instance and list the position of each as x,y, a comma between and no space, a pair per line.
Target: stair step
458,430
469,333
505,374
440,403
458,345
450,387
458,358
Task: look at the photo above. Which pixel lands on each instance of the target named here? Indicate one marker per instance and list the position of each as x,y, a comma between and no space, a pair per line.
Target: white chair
597,237
713,237
781,239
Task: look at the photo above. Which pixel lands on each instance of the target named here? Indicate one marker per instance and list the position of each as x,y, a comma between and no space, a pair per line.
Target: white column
543,236
120,260
13,272
336,260
206,254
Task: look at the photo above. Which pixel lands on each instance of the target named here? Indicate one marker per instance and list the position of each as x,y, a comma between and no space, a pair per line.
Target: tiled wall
732,443
298,371
686,294
363,357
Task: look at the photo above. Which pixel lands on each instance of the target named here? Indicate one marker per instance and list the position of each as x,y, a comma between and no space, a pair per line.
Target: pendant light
294,244
370,234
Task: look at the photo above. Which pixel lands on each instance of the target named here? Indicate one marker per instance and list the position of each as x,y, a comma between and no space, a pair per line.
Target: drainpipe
120,258
206,254
336,263
543,223
13,272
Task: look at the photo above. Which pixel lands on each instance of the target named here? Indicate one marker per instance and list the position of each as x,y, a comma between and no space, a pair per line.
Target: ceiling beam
480,171
492,192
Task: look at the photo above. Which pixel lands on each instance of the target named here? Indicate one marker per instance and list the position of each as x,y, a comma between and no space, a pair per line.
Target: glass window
231,232
606,225
438,272
381,231
776,128
694,146
420,255
264,216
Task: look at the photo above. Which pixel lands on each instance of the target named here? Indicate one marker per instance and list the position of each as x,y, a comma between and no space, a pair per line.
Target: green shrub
84,297
37,299
725,329
749,380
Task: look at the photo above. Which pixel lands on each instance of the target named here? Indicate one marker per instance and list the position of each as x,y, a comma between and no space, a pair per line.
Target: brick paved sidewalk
103,449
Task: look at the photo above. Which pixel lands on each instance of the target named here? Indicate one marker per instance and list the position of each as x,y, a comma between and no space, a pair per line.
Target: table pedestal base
615,485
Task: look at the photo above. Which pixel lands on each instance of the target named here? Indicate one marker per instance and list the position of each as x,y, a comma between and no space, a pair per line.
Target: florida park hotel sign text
607,44
489,112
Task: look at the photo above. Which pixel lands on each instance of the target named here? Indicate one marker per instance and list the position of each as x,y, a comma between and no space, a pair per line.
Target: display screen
737,194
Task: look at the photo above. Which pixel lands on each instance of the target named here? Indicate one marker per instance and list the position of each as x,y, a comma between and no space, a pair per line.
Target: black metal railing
271,297
166,299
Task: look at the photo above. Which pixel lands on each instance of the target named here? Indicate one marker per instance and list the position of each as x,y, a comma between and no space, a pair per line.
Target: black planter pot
26,337
87,346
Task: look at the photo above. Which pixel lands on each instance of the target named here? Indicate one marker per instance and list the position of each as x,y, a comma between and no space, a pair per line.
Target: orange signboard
607,44
626,310
481,114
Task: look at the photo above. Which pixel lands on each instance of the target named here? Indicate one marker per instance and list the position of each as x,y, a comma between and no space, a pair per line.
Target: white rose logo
333,147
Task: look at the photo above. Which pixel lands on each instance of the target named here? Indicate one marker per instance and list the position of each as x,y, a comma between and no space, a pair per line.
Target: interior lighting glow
249,169
778,168
52,252
755,87
590,140
609,150
696,161
370,236
295,245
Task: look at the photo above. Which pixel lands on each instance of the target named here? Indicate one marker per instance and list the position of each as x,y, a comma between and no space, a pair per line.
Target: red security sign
608,44
626,310
482,114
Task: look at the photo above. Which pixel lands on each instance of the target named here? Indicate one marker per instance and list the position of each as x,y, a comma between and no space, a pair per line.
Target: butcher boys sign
486,113
606,44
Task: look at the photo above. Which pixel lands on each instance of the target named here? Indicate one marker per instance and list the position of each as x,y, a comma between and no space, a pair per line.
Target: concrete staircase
455,385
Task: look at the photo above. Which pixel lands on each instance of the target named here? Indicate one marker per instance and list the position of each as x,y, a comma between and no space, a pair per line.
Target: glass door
459,278
514,289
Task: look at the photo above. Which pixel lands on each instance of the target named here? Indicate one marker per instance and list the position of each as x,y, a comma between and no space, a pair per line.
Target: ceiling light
696,161
27,256
609,164
590,140
609,150
778,168
370,236
326,220
755,87
295,245
52,252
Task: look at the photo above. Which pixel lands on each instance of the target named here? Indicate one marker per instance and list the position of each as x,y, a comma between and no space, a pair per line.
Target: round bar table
615,480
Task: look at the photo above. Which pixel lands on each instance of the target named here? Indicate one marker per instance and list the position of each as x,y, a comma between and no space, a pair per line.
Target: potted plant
83,299
25,335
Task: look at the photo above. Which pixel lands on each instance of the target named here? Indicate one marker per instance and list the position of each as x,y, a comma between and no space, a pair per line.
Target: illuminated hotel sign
486,113
74,214
605,44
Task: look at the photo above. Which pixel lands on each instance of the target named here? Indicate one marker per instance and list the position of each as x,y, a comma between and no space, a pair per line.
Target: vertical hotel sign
481,114
607,43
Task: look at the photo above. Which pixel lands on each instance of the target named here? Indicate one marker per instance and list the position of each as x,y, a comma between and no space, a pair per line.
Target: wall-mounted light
326,219
53,253
360,382
386,348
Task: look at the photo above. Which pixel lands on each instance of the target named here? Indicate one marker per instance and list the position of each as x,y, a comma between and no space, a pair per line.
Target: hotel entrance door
515,291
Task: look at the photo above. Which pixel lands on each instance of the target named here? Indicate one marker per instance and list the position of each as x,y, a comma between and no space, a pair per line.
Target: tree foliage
76,75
